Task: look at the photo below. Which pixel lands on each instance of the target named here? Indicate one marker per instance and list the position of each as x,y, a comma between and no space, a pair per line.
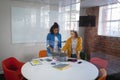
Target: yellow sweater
68,46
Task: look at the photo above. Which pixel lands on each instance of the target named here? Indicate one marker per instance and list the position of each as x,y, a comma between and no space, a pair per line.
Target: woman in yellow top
73,45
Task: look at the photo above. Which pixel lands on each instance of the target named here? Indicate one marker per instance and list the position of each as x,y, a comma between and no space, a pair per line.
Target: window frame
105,29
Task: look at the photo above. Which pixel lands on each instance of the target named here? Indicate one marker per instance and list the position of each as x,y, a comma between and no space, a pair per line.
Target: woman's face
56,30
72,34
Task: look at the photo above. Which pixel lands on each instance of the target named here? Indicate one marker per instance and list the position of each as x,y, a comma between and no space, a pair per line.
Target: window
44,18
109,20
69,15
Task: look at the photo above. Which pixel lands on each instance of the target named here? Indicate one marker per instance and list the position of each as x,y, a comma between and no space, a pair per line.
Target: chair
103,74
100,63
83,55
12,69
42,53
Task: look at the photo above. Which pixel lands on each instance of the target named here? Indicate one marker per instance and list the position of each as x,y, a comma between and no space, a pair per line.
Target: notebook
62,66
35,62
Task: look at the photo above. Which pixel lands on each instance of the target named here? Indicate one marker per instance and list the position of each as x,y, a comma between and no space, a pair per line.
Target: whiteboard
27,27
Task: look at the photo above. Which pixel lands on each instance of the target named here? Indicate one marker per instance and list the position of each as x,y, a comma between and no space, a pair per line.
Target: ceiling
92,3
84,3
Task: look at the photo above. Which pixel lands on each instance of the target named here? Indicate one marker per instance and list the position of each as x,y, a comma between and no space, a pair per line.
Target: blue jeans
73,56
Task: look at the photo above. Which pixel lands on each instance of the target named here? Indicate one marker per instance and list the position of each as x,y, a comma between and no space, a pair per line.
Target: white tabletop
82,71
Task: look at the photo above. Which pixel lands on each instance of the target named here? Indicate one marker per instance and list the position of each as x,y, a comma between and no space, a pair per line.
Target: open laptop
60,56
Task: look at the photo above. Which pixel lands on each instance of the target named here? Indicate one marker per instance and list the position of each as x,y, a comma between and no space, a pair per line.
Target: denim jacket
51,39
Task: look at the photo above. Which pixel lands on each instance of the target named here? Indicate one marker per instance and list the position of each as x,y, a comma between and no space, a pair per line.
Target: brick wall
95,43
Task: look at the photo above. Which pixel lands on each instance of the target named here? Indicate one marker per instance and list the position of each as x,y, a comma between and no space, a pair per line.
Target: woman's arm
79,44
78,55
49,42
65,47
60,42
79,47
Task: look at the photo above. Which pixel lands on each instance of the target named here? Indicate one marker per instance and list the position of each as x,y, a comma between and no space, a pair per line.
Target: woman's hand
51,49
64,52
78,55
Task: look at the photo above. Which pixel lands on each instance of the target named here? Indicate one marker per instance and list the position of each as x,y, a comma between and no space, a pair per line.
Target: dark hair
76,34
55,25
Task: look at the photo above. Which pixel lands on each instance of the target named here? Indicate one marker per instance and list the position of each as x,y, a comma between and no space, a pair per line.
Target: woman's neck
56,34
73,38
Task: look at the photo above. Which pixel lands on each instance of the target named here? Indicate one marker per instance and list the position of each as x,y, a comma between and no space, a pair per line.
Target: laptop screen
59,56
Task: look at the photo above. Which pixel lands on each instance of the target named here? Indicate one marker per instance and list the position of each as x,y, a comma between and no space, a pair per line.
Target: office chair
12,69
42,53
100,63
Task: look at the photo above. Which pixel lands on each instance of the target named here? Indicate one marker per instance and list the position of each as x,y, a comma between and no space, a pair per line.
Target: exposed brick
95,43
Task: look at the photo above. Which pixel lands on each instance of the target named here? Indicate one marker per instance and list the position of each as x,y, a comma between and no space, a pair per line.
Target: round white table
45,71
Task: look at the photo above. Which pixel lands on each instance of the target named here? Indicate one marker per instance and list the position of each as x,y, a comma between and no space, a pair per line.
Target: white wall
23,52
82,29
